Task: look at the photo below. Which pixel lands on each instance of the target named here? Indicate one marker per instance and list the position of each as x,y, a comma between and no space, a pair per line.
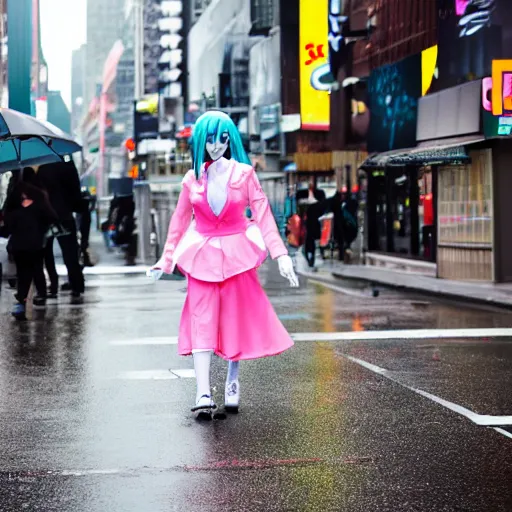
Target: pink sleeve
180,221
263,216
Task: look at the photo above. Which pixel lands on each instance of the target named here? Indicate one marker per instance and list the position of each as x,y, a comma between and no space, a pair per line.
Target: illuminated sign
501,87
428,68
315,75
497,100
475,15
497,91
337,43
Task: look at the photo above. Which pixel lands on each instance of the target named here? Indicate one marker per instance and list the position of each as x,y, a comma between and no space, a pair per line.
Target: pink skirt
234,318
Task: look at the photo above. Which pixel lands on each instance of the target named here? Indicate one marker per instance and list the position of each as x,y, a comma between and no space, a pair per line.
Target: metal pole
139,48
142,194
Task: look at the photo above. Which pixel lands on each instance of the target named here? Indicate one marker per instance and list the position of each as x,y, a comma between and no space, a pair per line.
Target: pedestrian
28,216
314,199
84,220
63,185
29,175
226,310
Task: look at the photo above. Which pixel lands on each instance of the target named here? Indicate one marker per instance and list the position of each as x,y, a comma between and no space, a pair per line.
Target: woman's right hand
155,274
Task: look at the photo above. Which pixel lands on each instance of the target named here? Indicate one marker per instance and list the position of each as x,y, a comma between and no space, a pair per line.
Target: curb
489,301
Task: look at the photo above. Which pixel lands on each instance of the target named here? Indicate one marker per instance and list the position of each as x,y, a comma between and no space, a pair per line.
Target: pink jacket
216,248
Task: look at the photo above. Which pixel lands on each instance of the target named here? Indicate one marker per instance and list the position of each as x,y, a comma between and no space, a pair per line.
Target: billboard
146,122
393,93
315,74
497,100
471,34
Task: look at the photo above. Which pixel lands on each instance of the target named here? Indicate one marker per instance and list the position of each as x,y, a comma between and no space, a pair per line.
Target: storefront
400,207
465,217
438,202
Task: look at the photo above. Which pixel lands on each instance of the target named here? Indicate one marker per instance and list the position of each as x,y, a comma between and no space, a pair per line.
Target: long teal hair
215,123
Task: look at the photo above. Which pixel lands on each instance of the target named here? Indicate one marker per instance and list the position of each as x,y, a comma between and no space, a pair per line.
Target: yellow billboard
314,65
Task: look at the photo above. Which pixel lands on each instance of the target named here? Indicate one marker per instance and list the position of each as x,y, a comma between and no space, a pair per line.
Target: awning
437,152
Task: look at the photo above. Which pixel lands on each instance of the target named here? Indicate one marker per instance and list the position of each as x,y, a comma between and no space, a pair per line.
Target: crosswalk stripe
406,334
148,375
165,340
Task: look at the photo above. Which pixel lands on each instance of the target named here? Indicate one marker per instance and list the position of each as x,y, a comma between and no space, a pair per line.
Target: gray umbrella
26,141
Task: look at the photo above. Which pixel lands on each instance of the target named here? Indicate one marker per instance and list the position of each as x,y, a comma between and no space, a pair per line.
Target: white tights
202,361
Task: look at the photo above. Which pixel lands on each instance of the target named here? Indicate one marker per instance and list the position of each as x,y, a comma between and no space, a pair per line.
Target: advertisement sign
338,48
315,73
146,122
472,33
497,100
393,93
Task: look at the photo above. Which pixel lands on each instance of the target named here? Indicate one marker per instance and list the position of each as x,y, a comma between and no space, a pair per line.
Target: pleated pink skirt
234,318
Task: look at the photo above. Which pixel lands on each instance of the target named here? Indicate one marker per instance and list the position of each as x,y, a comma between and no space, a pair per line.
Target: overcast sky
63,29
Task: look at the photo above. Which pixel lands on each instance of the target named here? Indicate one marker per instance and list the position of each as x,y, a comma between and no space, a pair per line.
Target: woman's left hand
287,271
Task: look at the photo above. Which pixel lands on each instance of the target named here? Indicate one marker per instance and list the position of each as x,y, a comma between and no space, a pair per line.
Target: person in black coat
62,183
314,201
83,221
27,216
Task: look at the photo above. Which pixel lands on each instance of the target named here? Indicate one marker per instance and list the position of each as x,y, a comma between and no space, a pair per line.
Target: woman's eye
224,138
210,139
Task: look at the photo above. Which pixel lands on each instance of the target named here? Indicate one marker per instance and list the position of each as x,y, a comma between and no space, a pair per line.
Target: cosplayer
218,248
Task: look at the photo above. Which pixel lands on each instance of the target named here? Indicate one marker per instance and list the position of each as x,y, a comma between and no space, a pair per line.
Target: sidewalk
106,263
480,293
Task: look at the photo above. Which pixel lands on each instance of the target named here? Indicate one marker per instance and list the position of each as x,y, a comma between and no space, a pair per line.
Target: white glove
155,274
287,271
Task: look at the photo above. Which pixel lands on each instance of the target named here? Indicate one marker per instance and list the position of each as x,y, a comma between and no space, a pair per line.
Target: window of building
262,16
465,202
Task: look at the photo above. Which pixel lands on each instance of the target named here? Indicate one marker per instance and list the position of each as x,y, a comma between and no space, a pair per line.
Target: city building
78,86
426,94
4,91
197,7
105,19
20,54
58,112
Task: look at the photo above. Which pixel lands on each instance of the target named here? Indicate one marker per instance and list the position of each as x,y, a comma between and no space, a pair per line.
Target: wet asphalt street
95,408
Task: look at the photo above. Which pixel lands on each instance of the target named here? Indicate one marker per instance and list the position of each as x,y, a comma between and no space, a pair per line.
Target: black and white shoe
232,397
205,406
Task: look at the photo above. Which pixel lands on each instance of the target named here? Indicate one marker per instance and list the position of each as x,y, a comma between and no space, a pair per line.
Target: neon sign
475,15
497,90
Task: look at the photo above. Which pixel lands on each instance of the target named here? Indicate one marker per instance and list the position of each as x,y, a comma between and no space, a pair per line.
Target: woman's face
217,146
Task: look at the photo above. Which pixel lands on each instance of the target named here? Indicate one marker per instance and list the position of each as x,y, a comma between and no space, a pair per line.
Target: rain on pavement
95,408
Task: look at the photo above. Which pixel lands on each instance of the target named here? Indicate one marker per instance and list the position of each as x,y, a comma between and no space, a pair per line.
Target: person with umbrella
27,216
26,141
63,185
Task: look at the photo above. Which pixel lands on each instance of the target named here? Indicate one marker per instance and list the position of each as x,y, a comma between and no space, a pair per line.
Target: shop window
465,202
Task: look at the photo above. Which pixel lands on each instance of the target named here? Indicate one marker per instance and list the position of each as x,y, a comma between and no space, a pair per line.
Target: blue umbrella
26,141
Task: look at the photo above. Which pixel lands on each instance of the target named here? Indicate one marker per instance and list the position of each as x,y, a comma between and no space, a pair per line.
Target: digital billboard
471,34
497,99
315,73
393,93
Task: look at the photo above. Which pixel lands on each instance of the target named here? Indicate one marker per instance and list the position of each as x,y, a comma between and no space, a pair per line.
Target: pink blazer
216,248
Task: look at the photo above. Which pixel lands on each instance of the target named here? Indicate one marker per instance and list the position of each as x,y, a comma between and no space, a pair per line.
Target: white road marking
166,340
185,374
483,420
504,432
148,375
107,270
335,288
406,334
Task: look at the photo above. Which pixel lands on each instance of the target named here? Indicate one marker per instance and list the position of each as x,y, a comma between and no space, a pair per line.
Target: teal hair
216,123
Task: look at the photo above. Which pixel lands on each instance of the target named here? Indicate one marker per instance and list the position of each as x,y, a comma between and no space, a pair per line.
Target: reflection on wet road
94,409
